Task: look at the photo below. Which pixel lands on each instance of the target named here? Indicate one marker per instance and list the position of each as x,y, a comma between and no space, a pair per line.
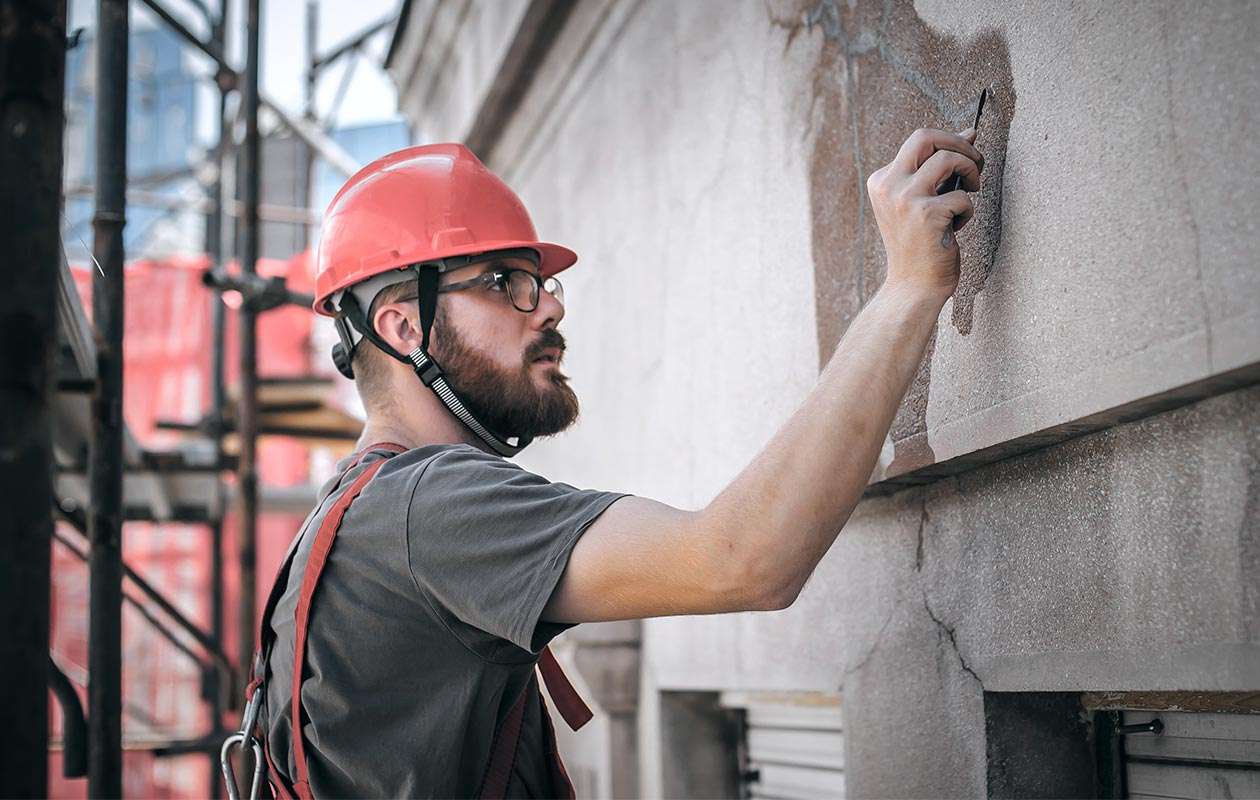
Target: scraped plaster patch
882,72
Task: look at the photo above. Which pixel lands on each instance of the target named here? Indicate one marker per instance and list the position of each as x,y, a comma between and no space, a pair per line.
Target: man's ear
397,326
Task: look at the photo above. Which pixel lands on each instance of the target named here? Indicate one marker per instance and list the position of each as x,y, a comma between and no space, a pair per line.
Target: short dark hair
371,374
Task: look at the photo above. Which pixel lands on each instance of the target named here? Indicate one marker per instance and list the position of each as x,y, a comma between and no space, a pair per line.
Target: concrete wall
706,161
445,55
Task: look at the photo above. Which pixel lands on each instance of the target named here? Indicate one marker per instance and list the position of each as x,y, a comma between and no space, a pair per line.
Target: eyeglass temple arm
484,279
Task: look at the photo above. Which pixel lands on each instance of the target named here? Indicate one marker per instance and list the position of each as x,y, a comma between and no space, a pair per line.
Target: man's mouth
551,355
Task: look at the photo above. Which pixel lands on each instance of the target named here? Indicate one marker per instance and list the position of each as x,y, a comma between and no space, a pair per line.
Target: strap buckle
425,367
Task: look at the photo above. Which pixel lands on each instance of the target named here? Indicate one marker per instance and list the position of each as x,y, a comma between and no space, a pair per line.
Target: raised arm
755,545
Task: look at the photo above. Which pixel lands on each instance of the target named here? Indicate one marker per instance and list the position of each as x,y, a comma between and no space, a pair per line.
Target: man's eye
500,282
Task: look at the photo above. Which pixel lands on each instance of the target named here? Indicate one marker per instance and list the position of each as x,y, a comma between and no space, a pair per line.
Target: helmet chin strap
426,368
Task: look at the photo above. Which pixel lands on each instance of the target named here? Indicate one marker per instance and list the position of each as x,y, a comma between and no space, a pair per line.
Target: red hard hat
421,204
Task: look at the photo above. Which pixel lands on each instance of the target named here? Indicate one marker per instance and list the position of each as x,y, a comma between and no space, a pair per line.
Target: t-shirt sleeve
488,541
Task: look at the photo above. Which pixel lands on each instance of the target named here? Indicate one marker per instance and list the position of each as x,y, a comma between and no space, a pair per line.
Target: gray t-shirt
425,626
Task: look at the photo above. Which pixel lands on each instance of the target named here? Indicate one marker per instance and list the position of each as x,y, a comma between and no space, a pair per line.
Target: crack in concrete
1180,160
953,641
879,639
918,550
859,252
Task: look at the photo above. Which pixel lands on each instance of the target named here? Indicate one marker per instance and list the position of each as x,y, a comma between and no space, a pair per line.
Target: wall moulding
1090,402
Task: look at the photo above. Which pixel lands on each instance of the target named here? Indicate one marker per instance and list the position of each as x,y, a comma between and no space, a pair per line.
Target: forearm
784,510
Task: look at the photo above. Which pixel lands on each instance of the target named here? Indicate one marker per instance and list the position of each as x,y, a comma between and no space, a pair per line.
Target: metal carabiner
225,762
244,738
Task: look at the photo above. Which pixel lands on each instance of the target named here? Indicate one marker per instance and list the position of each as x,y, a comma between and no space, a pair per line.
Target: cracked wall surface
1094,563
706,159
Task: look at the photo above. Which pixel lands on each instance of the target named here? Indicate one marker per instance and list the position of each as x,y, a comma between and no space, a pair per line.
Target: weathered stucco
707,162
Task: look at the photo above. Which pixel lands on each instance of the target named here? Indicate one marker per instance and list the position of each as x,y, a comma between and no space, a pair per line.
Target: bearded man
402,661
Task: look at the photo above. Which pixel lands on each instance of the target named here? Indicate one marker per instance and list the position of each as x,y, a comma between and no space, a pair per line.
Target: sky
371,96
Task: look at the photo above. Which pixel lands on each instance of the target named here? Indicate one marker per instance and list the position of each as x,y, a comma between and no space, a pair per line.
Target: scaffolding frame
76,379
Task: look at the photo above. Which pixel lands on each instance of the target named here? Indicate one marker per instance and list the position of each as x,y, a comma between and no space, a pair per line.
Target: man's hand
916,223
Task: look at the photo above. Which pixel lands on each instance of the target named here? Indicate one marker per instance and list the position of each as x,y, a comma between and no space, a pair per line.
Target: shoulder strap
315,562
281,581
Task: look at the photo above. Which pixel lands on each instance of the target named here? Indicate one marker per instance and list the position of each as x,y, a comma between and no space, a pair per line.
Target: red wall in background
167,356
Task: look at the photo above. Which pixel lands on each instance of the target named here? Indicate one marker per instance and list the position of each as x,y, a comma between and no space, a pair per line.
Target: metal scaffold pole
218,393
247,412
312,43
105,470
32,80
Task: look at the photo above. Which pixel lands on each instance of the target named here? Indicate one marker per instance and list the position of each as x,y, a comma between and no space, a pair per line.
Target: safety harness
352,318
252,737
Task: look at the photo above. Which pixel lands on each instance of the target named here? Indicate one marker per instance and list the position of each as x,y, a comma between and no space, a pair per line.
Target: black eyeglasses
522,286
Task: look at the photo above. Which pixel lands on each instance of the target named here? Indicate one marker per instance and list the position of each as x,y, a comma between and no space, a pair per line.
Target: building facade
1062,536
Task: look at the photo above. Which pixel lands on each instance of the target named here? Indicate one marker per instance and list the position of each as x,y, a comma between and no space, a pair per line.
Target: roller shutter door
1198,755
793,745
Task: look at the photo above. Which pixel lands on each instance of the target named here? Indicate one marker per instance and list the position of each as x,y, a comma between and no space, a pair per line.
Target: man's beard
507,401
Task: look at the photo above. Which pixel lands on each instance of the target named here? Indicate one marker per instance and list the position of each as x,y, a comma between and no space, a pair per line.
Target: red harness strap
266,639
315,562
503,750
568,702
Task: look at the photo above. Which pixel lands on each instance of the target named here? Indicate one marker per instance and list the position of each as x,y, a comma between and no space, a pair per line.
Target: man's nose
549,312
